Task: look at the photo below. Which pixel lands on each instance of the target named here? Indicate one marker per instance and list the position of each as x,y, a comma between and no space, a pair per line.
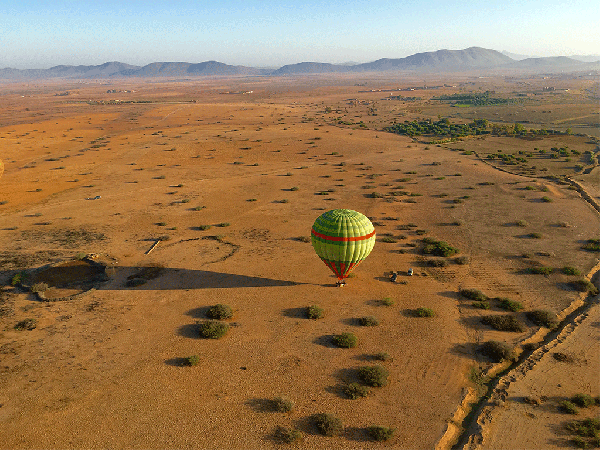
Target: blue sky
42,33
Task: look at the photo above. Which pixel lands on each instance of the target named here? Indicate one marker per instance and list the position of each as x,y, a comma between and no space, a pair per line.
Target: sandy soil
105,370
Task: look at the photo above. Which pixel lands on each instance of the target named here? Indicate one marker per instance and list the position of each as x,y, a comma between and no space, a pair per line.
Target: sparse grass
504,322
345,340
220,312
543,318
508,304
424,312
39,287
498,351
375,376
354,391
327,424
212,329
368,321
380,434
314,312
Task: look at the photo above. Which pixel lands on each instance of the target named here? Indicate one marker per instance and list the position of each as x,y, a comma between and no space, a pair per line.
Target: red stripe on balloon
342,239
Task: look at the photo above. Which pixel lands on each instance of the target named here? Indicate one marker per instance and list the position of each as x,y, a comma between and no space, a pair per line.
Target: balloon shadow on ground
174,279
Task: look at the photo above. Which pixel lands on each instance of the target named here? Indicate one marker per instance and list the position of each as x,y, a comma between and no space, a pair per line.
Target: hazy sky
42,33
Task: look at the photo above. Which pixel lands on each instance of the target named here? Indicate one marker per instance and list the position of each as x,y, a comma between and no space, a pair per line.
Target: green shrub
327,424
355,390
198,208
508,304
438,248
567,270
375,376
380,434
18,278
345,340
592,245
382,356
27,324
192,360
481,305
388,240
584,285
543,318
219,312
568,407
387,301
212,329
368,321
540,270
424,312
281,404
504,323
287,435
204,227
498,351
473,294
583,400
314,312
546,199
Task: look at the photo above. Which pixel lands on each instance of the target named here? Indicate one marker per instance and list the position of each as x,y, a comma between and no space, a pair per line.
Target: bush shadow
189,331
356,434
325,341
295,313
177,362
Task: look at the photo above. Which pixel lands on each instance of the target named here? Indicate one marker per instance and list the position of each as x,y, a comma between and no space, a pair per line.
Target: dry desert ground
132,212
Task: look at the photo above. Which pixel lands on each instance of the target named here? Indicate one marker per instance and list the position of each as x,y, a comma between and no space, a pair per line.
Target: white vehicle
410,272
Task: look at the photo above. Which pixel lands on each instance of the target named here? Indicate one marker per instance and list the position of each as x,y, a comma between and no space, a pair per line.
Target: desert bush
521,223
212,329
583,400
39,287
204,227
382,356
567,270
26,324
543,318
375,376
380,434
281,404
438,248
481,305
388,240
504,322
462,260
437,263
368,321
287,435
314,312
345,340
508,304
498,351
220,312
387,301
540,270
584,285
424,312
18,278
568,407
546,199
327,424
192,360
223,224
198,208
592,245
535,235
355,390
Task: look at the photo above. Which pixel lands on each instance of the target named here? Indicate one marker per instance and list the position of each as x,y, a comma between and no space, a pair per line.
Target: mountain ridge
443,60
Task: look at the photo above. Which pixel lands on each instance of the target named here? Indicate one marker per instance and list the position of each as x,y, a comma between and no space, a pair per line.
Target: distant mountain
515,56
473,58
586,58
441,60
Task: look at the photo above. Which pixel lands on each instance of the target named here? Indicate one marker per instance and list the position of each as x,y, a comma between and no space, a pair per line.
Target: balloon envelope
342,238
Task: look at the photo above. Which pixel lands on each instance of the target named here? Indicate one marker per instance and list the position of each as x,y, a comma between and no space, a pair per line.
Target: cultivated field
132,207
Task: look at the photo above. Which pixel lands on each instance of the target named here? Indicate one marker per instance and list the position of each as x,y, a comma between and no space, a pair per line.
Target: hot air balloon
342,238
